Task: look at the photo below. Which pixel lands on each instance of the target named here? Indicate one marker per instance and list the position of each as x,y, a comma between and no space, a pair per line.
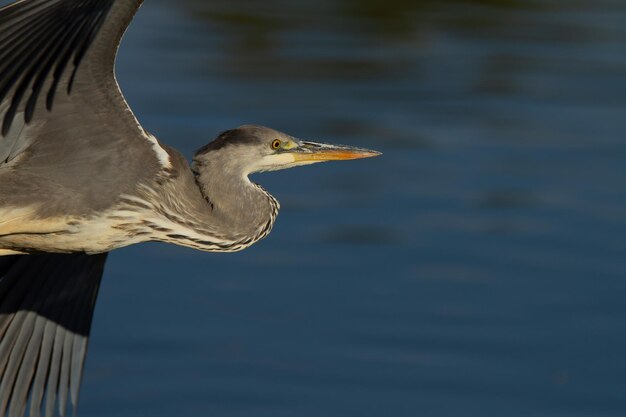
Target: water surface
478,268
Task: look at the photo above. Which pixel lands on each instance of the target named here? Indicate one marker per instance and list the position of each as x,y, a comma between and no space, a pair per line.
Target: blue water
477,268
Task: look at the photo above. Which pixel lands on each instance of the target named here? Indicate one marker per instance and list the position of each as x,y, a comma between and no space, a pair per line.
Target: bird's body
168,206
79,177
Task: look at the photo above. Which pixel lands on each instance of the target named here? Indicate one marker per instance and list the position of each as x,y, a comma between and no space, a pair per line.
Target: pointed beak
319,152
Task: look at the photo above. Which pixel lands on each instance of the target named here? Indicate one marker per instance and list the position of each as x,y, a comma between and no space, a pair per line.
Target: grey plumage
79,177
51,160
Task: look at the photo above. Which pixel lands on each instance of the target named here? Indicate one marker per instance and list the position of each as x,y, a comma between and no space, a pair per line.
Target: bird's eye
276,144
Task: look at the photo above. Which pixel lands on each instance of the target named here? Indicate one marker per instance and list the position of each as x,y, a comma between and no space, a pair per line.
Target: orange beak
319,152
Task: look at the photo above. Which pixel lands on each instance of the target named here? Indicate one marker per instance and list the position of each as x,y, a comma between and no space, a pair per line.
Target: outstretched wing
69,142
46,306
64,124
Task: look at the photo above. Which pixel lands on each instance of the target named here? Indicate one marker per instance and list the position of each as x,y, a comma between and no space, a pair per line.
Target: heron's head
251,149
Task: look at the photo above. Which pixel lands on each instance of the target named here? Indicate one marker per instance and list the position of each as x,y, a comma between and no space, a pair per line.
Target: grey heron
79,177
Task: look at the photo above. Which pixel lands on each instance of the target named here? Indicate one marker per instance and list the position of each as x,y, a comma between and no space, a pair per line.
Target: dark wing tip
46,305
43,43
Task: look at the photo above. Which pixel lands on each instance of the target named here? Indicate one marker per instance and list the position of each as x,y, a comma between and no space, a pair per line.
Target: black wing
46,306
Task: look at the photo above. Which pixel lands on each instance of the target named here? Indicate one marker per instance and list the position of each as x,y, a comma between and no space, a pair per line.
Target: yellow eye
276,144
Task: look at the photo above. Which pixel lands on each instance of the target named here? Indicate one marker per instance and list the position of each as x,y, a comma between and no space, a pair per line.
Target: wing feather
59,98
53,375
27,370
46,305
43,366
39,38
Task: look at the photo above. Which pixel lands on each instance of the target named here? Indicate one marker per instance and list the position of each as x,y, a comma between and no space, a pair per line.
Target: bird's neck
211,207
237,212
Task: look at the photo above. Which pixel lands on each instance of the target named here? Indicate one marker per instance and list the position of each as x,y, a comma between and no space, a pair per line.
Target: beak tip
367,153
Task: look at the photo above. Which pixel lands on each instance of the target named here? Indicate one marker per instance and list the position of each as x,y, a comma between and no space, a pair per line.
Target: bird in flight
79,177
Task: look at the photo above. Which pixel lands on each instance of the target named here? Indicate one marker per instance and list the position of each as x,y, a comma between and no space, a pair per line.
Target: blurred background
477,268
